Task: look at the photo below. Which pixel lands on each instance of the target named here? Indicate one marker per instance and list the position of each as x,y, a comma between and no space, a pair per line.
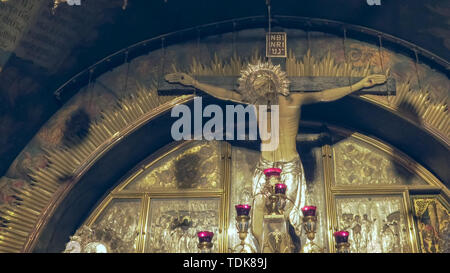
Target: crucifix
266,84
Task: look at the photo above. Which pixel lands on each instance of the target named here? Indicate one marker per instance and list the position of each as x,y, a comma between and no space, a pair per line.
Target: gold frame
404,194
443,199
146,197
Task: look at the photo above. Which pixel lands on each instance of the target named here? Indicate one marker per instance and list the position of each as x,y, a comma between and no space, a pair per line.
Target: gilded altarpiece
351,164
357,183
162,204
369,193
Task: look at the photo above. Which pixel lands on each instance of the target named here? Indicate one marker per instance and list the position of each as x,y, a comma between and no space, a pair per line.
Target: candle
341,236
205,236
280,188
272,172
242,209
309,211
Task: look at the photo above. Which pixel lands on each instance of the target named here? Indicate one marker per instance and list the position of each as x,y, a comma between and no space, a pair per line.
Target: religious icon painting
431,217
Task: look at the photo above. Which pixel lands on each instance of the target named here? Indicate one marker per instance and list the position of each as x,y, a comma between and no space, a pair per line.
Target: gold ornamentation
275,203
327,66
218,67
276,238
312,247
419,106
182,209
309,226
20,231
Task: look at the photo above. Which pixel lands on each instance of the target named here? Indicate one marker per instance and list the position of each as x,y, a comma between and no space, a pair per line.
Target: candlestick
309,225
309,221
242,221
276,201
242,226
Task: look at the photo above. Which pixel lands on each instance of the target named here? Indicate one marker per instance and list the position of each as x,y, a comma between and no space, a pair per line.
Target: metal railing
309,24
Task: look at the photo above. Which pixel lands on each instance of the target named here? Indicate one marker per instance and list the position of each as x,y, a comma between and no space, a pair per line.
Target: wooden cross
297,84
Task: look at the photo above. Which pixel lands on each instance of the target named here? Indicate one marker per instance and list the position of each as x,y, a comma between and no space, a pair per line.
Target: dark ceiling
55,47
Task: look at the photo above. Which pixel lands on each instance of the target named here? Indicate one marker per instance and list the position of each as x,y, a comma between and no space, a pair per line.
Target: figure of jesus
285,156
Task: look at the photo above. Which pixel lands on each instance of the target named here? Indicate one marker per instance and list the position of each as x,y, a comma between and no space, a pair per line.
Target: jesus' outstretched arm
215,91
337,93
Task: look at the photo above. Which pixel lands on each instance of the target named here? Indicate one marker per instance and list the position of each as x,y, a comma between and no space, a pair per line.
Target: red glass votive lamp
272,172
280,188
242,210
341,236
309,211
309,221
205,236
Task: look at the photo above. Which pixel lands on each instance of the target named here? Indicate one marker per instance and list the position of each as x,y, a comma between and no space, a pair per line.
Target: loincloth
292,174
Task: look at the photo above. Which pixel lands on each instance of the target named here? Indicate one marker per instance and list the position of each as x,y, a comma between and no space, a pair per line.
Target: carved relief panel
376,223
173,224
119,222
193,165
360,163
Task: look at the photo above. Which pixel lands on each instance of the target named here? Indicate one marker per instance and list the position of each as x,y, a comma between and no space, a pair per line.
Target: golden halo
263,72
